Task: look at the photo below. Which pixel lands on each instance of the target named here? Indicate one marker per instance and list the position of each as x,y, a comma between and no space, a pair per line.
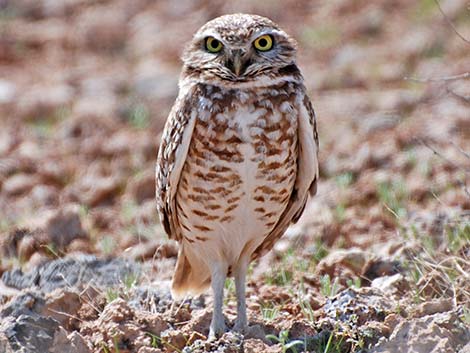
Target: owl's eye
264,43
213,45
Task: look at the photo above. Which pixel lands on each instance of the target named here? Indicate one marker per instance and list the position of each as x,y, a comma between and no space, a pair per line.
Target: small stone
64,225
70,343
26,247
44,195
352,258
79,245
149,350
62,305
433,307
142,187
19,184
173,340
37,259
200,322
395,284
252,345
98,190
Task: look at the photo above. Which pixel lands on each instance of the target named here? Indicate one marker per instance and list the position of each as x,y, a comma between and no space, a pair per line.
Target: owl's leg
218,276
240,278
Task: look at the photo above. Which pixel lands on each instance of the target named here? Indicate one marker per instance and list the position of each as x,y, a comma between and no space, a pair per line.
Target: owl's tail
190,278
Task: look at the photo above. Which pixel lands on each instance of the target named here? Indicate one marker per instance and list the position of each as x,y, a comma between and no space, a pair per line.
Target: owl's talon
216,332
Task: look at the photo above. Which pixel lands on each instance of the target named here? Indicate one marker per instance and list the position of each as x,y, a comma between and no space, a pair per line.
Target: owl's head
239,48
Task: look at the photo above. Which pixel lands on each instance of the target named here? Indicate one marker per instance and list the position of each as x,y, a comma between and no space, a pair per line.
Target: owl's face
238,48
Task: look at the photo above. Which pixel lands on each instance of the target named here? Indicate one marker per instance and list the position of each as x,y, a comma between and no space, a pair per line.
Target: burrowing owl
238,155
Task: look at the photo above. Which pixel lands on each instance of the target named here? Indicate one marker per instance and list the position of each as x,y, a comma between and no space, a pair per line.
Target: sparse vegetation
381,252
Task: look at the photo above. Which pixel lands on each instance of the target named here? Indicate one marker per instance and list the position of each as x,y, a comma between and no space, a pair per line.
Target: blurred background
85,89
86,86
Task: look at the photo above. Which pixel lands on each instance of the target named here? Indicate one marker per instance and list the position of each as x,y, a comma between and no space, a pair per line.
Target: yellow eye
213,45
264,43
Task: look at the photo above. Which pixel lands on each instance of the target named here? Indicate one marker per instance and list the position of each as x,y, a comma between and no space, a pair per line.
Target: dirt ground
380,260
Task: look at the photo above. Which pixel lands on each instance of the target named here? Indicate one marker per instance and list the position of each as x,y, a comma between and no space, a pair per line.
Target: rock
256,346
42,101
19,184
173,340
433,307
352,258
46,195
142,187
376,123
396,284
29,334
103,28
62,305
149,350
200,322
64,225
465,349
36,259
391,321
7,91
120,324
152,249
380,267
153,297
118,144
80,246
70,343
72,271
230,342
26,247
97,190
301,329
359,306
437,333
9,244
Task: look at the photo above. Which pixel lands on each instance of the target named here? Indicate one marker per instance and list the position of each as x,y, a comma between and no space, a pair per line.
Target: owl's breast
240,170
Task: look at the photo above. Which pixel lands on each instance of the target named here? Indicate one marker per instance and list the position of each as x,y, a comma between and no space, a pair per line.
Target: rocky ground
380,260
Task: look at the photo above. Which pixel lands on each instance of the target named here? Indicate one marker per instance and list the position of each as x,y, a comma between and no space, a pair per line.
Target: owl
238,155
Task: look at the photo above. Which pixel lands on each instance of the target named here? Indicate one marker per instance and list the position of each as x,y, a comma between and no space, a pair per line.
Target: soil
379,261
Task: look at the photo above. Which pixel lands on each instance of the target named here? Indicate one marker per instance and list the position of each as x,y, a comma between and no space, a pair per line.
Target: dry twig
466,171
450,23
439,79
464,99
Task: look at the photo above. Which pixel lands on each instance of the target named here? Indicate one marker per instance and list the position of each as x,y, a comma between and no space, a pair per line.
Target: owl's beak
238,63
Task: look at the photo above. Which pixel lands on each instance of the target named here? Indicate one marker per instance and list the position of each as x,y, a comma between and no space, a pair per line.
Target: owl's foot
240,325
217,329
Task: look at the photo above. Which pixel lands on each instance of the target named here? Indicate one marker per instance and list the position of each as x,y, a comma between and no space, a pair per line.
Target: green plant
107,244
328,288
320,251
286,345
158,342
332,344
111,294
269,311
353,282
344,180
139,116
229,289
393,196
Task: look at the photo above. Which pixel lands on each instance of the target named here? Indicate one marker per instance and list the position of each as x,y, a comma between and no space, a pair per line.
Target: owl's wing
172,154
307,171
